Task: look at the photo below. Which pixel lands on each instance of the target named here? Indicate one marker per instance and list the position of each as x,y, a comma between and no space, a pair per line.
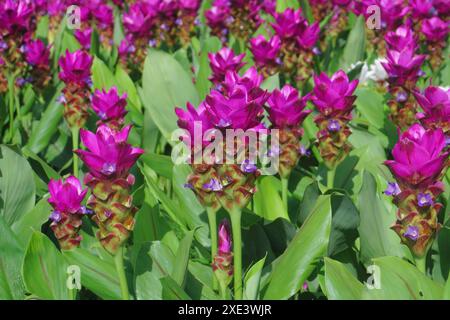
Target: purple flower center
273,152
402,96
424,200
188,186
412,232
303,151
447,140
152,43
56,216
334,126
179,22
213,185
109,168
248,167
3,45
392,189
102,115
223,123
84,210
61,99
316,51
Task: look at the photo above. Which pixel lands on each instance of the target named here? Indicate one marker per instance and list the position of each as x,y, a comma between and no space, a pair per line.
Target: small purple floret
333,126
248,167
412,232
392,189
213,185
424,200
56,216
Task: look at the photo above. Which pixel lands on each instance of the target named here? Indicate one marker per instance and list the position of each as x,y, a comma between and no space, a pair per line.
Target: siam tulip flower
56,10
435,103
76,73
109,159
401,38
403,68
286,113
104,18
266,53
84,38
333,98
110,107
287,22
66,198
186,19
223,261
218,19
435,31
421,9
37,54
223,61
420,159
308,35
442,7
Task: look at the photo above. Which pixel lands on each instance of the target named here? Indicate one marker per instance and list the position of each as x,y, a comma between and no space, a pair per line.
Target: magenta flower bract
37,53
419,156
217,16
435,103
75,67
187,119
333,94
308,35
223,61
224,237
15,15
401,38
403,66
421,9
84,37
286,108
265,52
66,196
138,19
103,14
287,22
110,107
109,156
434,29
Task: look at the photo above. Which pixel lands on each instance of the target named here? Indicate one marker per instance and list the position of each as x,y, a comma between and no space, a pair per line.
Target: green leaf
166,85
356,44
97,275
172,290
400,280
252,280
271,83
211,44
182,259
32,221
161,164
303,253
370,103
447,290
17,187
44,269
376,237
102,76
284,4
11,284
340,282
125,84
267,200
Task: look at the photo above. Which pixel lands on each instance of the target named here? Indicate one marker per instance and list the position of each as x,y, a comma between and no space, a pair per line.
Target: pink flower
66,196
109,156
37,53
84,37
189,117
15,15
108,105
286,108
435,29
421,9
223,61
333,94
435,103
103,14
75,67
401,38
308,35
403,66
287,23
224,237
265,52
419,156
139,19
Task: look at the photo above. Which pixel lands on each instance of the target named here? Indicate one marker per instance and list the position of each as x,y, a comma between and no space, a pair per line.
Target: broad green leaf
32,221
340,283
400,280
97,275
211,44
44,269
271,83
284,4
171,290
182,259
370,103
11,284
17,187
161,164
252,280
166,85
376,237
447,290
303,253
267,200
102,76
127,86
356,44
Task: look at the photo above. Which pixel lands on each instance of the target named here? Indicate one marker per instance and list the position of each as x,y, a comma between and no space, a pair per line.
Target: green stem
421,263
330,178
212,218
72,294
75,138
284,191
118,260
11,103
223,292
235,216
